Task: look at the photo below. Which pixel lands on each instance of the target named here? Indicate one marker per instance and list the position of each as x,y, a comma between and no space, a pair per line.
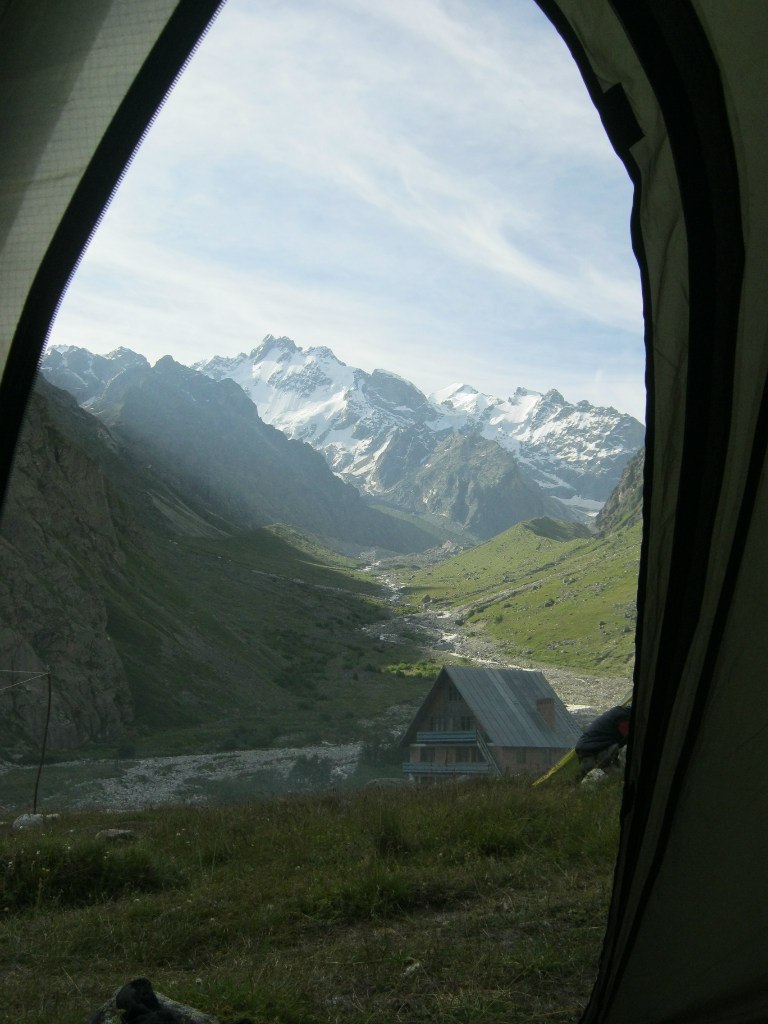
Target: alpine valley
189,553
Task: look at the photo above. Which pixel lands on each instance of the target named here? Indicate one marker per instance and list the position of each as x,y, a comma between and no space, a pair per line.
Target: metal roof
504,702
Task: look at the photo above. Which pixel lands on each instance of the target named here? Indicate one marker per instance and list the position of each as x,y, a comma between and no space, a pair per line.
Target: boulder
138,1003
594,778
28,821
116,835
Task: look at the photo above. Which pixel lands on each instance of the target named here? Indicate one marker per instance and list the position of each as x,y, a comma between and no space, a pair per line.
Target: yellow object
570,759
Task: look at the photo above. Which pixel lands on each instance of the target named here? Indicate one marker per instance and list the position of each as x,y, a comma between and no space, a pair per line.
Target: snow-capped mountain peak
373,426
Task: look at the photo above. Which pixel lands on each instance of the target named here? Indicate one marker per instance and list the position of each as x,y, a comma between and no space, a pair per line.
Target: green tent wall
681,86
682,90
80,81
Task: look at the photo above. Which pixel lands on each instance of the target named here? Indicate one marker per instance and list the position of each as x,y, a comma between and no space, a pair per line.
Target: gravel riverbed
184,779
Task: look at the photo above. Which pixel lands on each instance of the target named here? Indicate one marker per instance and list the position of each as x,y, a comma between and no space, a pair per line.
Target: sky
423,186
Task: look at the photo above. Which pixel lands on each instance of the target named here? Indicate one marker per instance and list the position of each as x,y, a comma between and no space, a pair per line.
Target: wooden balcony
459,768
461,739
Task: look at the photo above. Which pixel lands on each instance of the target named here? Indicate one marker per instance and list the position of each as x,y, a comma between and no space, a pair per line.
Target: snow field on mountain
578,450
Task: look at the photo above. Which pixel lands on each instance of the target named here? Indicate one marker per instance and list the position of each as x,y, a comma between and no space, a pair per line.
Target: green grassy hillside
253,640
456,903
545,591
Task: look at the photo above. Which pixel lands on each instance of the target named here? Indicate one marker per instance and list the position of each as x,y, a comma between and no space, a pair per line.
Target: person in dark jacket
601,741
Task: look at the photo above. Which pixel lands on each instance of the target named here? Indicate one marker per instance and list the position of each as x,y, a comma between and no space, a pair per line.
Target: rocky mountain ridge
459,459
375,429
207,439
624,507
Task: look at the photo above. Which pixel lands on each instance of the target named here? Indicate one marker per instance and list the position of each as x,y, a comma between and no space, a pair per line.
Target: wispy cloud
394,180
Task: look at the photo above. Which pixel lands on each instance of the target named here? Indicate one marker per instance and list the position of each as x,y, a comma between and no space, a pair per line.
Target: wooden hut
480,721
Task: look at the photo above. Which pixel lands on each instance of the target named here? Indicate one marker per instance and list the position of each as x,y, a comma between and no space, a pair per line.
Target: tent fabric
681,88
686,934
79,83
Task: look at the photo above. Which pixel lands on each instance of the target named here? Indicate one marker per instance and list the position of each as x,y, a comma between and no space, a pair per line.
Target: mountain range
377,429
207,440
458,459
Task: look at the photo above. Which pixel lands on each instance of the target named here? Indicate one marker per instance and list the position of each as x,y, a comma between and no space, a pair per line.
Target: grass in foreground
458,903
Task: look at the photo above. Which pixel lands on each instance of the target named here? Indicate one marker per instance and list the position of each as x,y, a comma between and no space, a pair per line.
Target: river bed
185,779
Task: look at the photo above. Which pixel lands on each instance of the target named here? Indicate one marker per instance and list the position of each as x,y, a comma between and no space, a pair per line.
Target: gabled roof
504,702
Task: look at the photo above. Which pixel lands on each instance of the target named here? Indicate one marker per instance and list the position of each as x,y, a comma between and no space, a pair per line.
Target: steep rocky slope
624,507
475,483
58,540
